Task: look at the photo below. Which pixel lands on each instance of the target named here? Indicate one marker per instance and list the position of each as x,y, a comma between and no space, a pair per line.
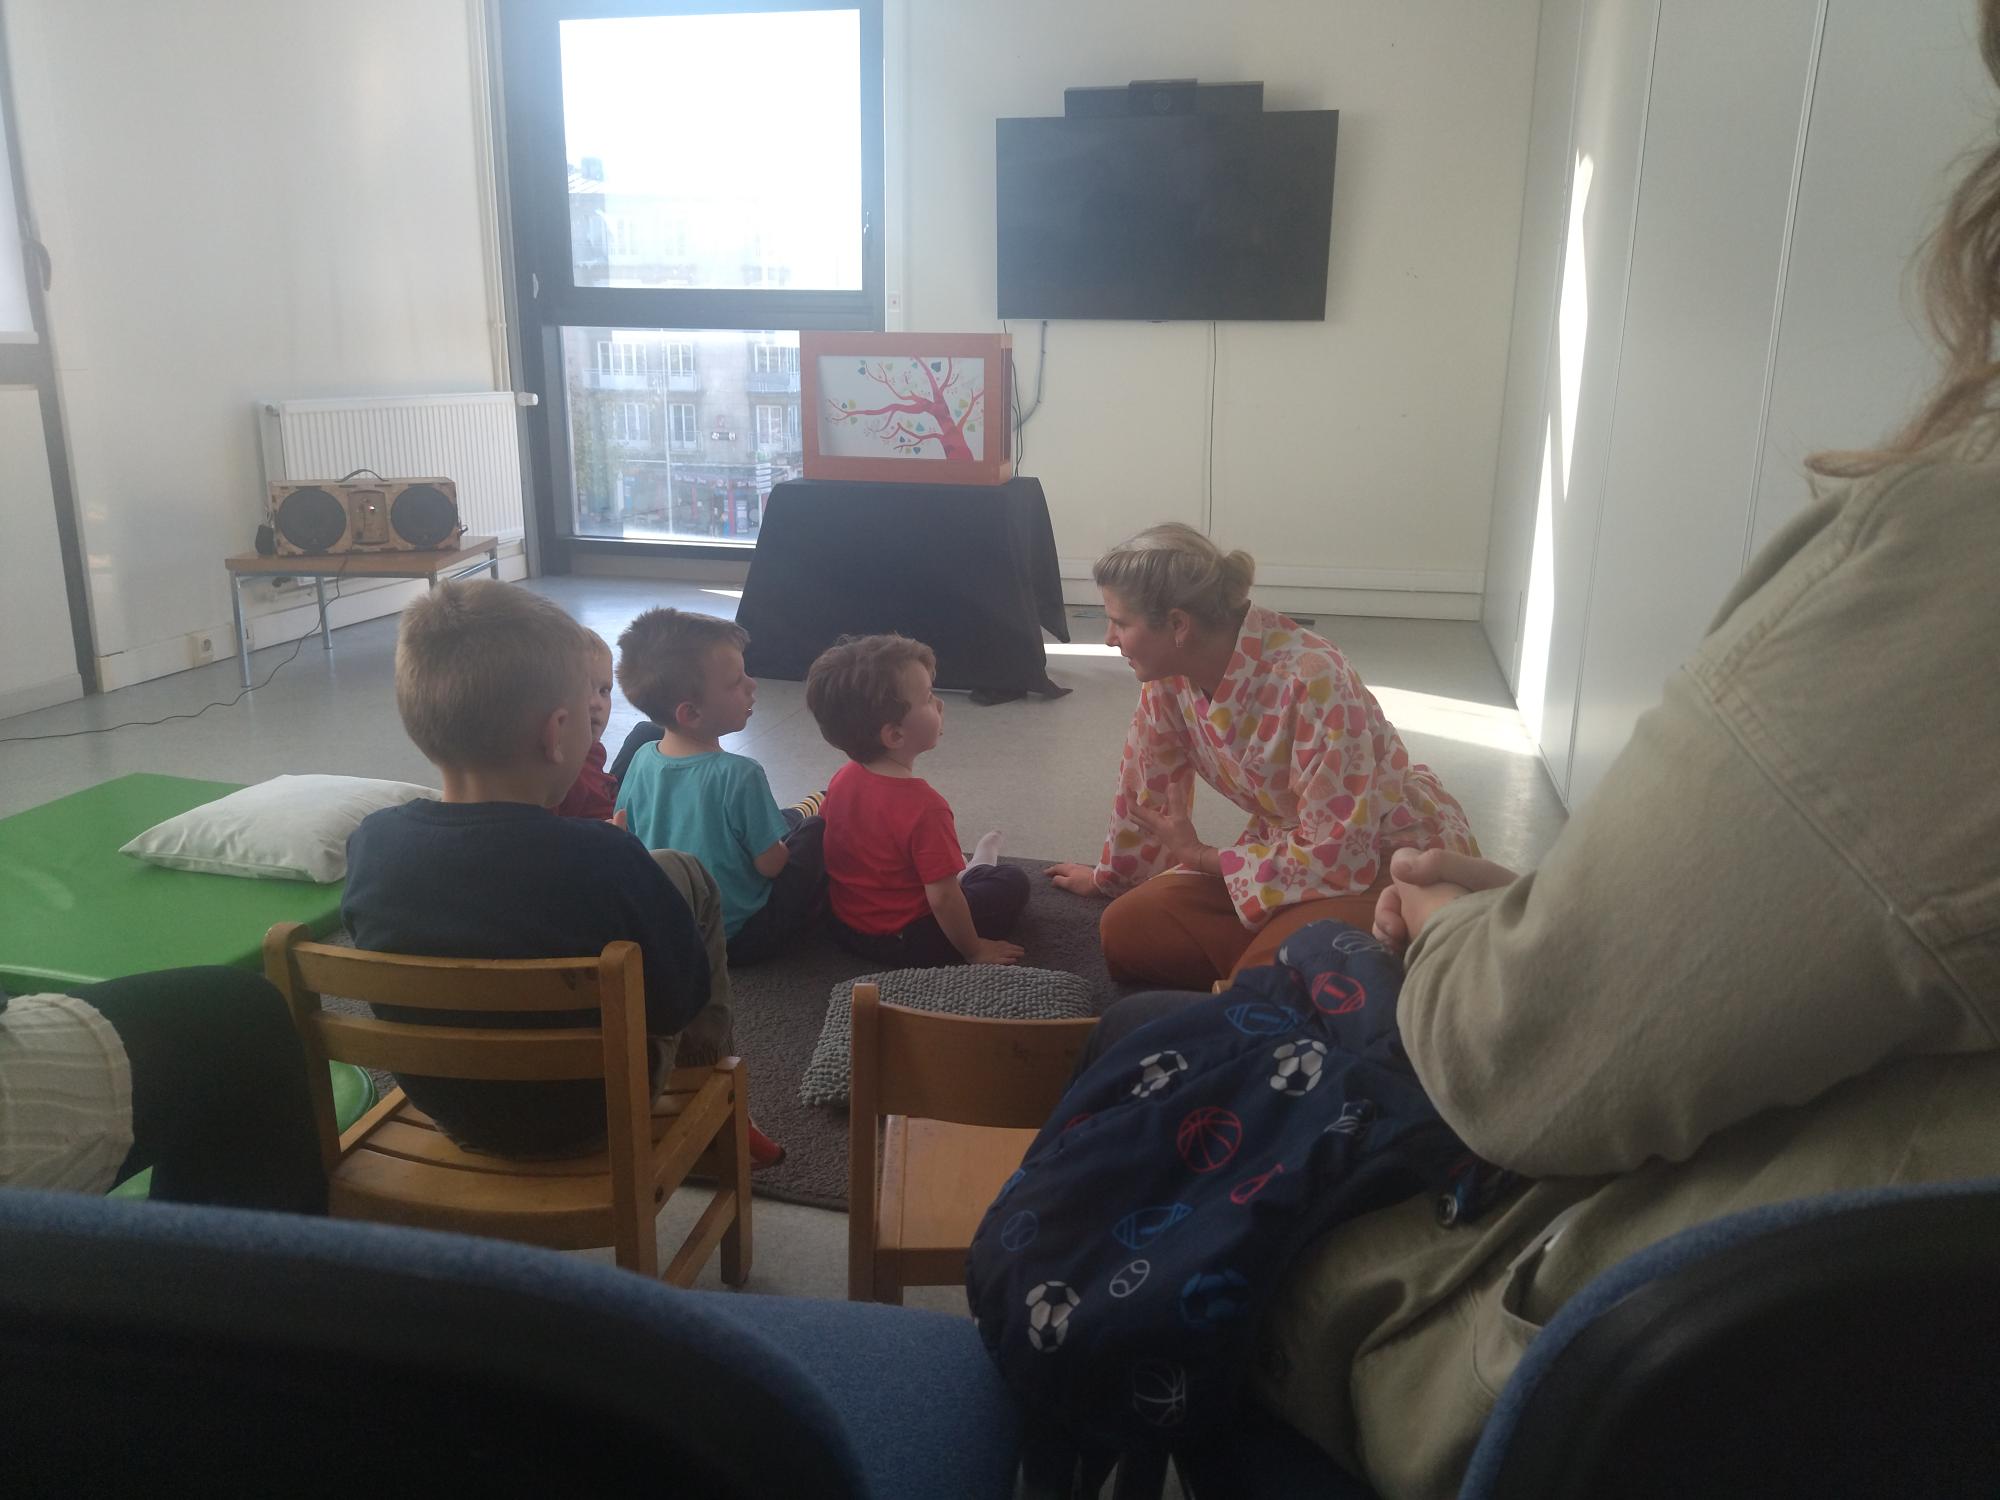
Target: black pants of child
797,901
997,895
220,1109
1126,1015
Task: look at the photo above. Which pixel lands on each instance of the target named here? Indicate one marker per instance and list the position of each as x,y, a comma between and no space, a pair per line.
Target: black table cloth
970,570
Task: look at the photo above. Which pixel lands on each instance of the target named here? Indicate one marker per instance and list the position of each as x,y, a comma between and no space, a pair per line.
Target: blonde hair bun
1173,566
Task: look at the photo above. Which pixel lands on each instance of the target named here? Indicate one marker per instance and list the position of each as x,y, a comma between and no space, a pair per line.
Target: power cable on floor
72,734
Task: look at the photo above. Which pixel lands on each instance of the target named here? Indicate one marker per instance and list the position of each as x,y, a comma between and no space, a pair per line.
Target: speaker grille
312,520
424,516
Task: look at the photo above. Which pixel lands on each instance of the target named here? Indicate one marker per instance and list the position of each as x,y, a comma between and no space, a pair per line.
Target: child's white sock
986,851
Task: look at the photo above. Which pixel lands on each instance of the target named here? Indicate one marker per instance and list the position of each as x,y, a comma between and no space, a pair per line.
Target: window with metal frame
679,169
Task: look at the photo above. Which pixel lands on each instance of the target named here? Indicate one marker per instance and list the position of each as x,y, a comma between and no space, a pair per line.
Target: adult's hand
1423,883
1174,829
1078,880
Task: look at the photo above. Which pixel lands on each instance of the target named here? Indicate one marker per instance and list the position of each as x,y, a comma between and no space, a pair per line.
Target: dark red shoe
764,1152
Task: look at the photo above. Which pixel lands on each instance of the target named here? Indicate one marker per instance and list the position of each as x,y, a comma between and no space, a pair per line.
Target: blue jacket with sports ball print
1119,1278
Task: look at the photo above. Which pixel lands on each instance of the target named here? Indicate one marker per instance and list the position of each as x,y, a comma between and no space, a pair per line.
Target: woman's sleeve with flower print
1155,759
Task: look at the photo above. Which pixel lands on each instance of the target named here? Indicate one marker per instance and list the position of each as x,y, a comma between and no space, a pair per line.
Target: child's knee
687,875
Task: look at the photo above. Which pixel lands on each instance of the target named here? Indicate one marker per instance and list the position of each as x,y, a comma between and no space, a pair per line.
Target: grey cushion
989,992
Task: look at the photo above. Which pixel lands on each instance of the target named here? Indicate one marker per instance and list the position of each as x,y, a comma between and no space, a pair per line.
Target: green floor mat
73,910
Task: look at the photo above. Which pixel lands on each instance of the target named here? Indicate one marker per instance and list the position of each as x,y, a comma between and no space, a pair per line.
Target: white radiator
470,438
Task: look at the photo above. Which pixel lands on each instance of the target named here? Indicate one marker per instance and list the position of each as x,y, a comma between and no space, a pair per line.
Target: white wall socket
201,645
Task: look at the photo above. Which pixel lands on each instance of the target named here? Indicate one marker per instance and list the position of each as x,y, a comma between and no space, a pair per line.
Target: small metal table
472,554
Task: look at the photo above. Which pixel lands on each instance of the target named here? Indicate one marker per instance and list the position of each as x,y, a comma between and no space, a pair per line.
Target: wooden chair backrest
614,1050
959,1069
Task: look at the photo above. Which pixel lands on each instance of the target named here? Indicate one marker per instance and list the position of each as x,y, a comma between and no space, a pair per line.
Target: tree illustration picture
929,401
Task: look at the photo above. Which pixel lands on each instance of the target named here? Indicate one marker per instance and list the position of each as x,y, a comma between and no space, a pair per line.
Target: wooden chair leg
733,1154
888,1281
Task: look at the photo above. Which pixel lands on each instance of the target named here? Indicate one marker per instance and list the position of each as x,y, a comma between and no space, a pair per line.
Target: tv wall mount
1165,96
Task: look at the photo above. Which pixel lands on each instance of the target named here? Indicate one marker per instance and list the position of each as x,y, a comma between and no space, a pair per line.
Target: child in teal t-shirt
685,672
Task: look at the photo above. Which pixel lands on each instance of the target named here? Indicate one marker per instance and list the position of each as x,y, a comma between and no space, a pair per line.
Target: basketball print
1208,1138
1160,1392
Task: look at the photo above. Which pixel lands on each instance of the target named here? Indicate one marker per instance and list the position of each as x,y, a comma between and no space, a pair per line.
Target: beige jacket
1763,962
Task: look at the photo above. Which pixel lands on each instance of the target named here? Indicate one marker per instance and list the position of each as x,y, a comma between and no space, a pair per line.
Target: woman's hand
1078,880
1423,883
1175,830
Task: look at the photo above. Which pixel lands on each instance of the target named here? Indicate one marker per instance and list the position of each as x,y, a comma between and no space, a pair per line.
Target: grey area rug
781,1005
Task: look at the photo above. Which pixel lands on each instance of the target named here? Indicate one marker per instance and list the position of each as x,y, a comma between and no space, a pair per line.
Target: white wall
1353,455
1899,95
243,200
1719,293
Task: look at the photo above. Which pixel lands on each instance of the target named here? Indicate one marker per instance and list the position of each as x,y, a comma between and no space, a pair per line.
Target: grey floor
1041,771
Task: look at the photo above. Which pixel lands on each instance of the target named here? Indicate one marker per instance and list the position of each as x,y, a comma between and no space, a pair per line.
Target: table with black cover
970,570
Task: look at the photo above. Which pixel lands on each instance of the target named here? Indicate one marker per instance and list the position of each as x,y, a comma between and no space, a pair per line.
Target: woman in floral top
1272,717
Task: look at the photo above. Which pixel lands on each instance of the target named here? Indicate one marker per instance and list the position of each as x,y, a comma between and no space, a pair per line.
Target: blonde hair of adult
480,666
1173,566
1960,282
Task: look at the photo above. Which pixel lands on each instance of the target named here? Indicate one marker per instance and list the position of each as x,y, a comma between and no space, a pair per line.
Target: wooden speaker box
388,515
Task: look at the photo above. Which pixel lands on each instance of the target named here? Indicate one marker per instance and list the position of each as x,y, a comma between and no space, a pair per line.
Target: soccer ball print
1296,1067
1158,1073
1049,1305
1213,1297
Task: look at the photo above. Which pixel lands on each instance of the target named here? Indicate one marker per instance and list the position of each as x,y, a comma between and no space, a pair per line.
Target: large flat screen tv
1165,217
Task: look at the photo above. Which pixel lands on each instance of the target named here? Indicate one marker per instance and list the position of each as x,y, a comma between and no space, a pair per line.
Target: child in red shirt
901,893
595,792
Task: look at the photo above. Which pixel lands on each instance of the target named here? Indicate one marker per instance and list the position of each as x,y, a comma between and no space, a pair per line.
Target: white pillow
287,828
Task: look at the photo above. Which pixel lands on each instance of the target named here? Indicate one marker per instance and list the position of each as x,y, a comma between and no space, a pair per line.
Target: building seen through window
680,434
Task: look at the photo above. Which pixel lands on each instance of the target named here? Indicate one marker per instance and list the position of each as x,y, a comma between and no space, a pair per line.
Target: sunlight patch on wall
1558,454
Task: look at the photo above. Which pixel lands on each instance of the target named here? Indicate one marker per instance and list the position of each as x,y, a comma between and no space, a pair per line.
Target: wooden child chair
395,1166
951,1104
